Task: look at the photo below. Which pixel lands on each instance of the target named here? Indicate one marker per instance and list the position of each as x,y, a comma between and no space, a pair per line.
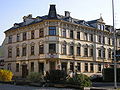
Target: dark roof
53,15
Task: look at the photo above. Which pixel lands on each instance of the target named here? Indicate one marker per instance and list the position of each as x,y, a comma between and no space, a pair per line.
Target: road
15,87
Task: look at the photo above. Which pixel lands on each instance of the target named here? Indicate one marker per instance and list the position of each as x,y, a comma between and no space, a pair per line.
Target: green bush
35,77
80,80
56,76
108,74
5,75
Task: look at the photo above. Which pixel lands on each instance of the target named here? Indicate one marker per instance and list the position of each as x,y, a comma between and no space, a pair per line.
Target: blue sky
12,11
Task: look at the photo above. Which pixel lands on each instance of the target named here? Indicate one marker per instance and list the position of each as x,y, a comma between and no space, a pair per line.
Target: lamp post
115,78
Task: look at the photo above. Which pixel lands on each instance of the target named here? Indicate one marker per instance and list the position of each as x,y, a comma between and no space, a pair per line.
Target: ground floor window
91,67
99,67
79,67
64,66
72,66
32,66
17,67
86,67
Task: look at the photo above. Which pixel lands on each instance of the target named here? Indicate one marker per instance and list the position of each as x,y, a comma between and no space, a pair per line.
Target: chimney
67,13
52,12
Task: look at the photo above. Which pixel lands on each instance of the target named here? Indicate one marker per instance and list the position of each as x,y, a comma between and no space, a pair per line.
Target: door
24,71
41,67
52,66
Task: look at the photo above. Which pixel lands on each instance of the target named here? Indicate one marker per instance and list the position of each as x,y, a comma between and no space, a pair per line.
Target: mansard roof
52,15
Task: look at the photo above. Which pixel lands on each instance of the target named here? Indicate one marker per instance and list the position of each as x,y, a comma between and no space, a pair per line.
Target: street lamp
115,78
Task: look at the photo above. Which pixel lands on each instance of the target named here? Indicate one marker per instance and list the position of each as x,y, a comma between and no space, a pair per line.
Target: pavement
15,87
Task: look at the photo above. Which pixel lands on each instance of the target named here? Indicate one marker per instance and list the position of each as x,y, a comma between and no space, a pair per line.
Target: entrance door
52,65
24,71
41,67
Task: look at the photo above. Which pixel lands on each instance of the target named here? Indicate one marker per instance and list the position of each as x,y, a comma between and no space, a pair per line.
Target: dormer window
99,26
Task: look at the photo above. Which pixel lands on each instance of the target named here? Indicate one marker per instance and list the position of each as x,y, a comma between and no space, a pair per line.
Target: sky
12,11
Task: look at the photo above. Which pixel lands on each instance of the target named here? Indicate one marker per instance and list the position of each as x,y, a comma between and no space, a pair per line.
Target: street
15,87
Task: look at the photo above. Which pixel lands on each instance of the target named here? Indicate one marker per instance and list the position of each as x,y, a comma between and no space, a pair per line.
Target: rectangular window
32,50
64,66
91,52
99,53
109,54
78,51
99,67
78,35
109,41
91,37
10,39
103,39
64,32
104,53
32,35
72,66
86,67
52,48
91,67
24,36
64,49
52,30
18,37
9,66
9,52
17,52
32,66
41,32
99,39
85,52
71,50
41,49
85,36
79,67
17,67
24,51
71,34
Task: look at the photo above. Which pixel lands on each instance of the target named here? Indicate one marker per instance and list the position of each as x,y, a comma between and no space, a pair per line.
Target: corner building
55,42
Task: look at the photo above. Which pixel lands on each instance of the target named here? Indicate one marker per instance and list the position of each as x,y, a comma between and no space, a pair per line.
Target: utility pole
115,68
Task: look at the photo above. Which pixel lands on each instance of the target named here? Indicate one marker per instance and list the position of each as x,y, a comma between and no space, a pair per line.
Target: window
99,67
24,36
18,37
52,48
32,50
64,49
86,67
10,39
79,67
99,26
52,30
17,52
109,53
103,52
113,42
91,67
41,49
32,35
9,52
71,66
78,51
9,66
71,50
64,66
85,36
99,53
91,52
91,37
32,66
71,34
85,51
24,51
41,32
64,32
17,67
78,35
103,39
99,39
109,41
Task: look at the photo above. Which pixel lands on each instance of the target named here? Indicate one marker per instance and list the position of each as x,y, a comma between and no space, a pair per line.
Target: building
58,41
